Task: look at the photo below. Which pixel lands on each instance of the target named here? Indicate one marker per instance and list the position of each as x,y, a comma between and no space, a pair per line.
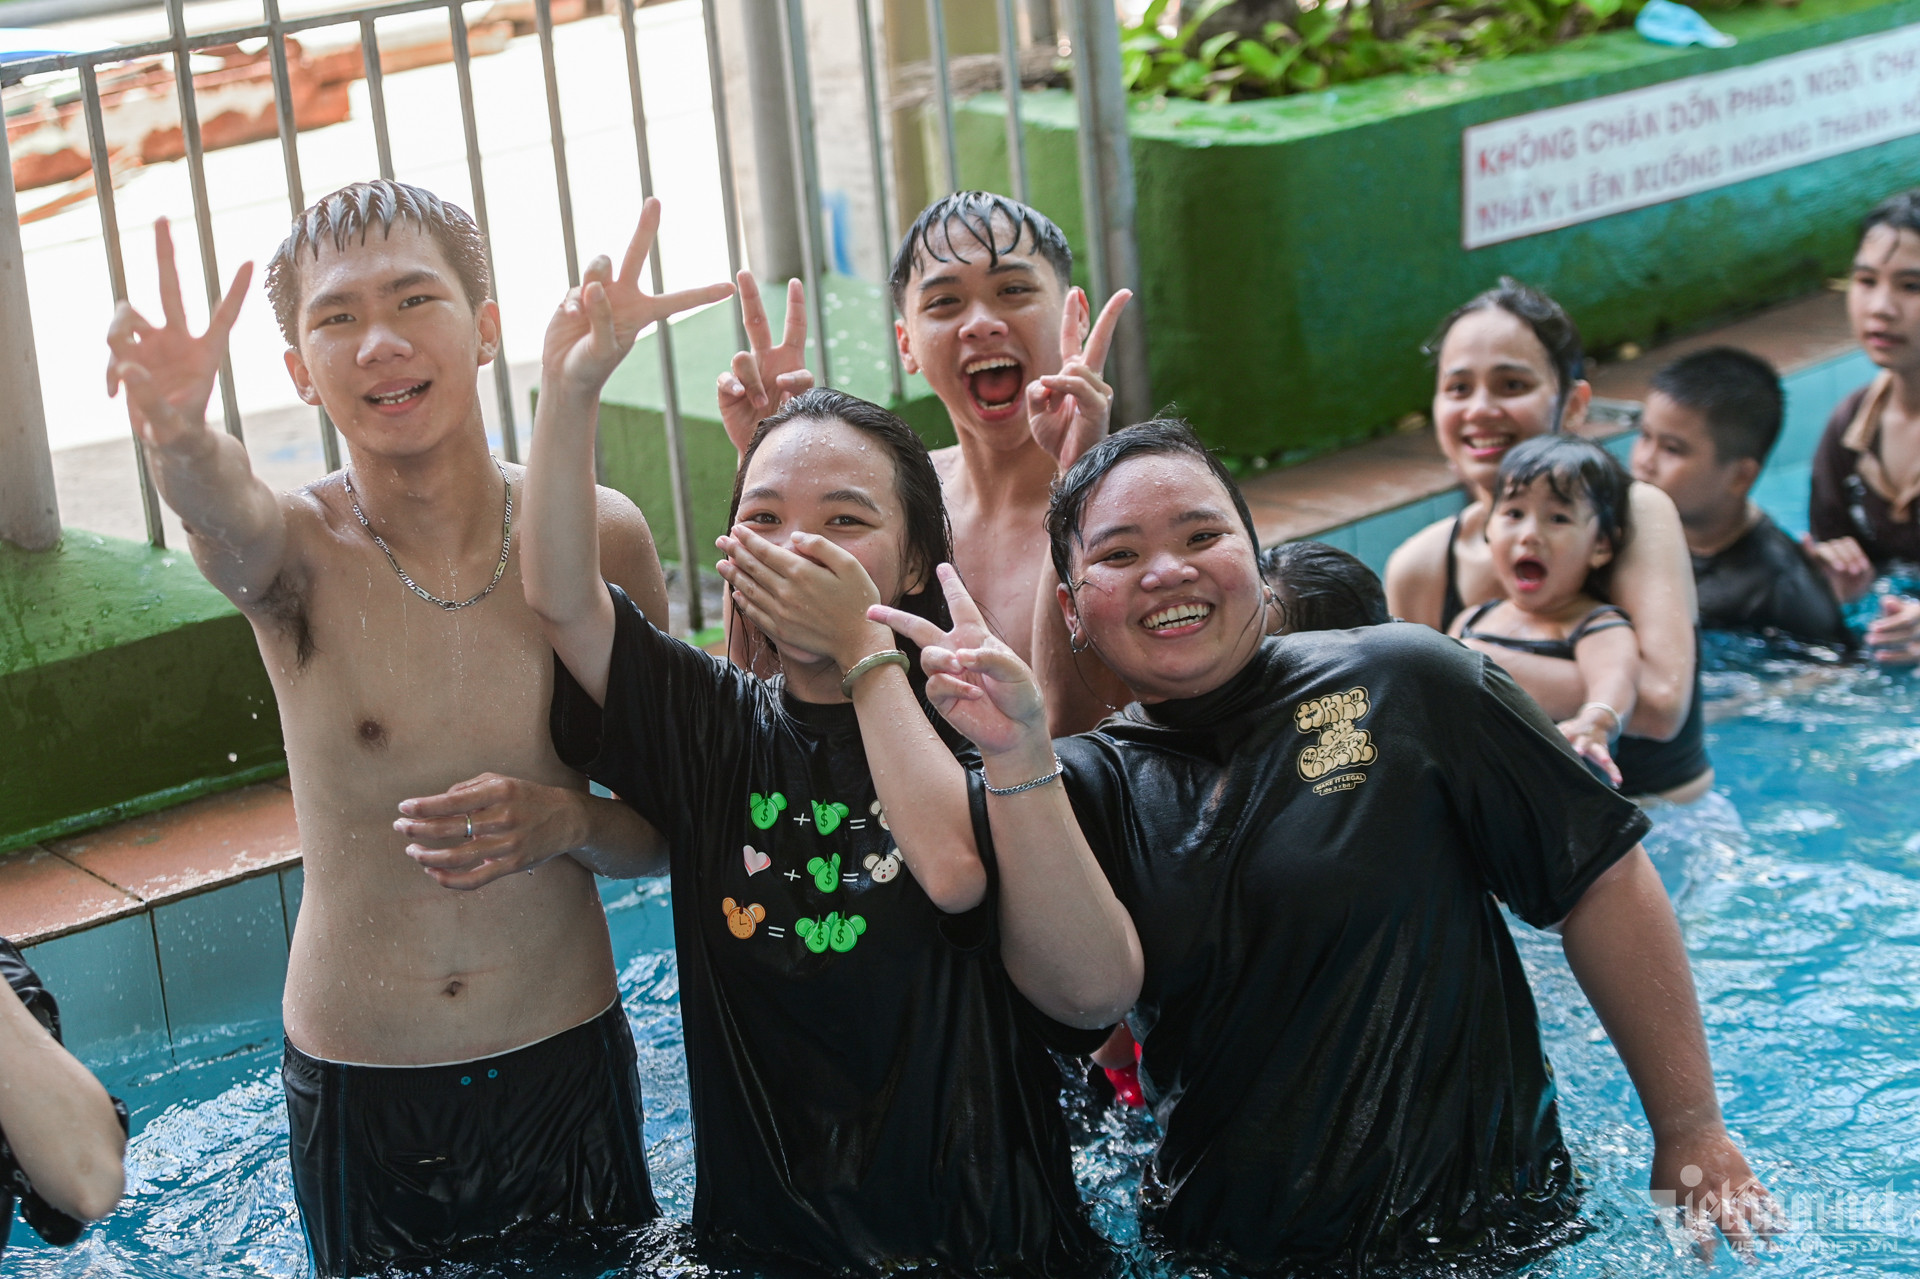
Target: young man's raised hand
168,372
765,376
1069,411
595,326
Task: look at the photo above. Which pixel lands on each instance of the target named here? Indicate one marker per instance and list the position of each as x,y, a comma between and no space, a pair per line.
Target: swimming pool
1798,888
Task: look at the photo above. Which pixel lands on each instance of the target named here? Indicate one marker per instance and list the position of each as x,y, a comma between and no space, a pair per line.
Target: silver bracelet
1059,770
1618,723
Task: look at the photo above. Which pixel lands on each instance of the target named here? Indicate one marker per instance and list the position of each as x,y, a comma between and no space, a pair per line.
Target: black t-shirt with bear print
868,1089
1336,1032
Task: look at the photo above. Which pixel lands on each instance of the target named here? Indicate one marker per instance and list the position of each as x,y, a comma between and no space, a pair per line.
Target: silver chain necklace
506,543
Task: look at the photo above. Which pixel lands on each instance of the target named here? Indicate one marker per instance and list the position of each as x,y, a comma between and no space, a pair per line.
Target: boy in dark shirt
62,1137
1710,421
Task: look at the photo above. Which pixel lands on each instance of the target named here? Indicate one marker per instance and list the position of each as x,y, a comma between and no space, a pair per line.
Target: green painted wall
126,683
633,441
1296,252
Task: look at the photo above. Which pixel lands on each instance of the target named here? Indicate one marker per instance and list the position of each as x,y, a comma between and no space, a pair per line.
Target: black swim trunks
402,1163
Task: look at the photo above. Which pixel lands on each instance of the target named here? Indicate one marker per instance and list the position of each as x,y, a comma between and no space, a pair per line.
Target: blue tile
107,980
1343,537
1379,536
223,956
293,883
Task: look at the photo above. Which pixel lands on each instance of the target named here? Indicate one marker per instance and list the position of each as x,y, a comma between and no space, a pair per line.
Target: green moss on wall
1296,252
126,683
633,442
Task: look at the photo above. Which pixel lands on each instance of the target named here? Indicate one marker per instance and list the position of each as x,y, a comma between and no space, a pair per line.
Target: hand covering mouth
995,381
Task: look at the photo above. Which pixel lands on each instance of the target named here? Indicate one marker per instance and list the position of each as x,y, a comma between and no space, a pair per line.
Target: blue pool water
1798,887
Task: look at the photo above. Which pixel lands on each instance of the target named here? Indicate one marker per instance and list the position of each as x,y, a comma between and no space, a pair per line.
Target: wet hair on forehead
1547,319
350,215
1897,213
968,222
1161,437
1575,470
1738,394
928,536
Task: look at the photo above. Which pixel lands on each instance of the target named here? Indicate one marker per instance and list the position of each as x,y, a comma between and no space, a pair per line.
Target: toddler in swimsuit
1559,518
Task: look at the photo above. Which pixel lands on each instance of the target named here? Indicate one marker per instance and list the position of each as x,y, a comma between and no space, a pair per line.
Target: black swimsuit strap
1607,617
1538,647
1451,604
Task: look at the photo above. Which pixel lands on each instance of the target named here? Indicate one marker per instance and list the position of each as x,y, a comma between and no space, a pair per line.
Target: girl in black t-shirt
870,1084
1313,834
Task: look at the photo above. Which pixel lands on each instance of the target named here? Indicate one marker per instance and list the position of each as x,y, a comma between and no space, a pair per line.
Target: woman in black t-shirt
870,1084
1313,834
62,1138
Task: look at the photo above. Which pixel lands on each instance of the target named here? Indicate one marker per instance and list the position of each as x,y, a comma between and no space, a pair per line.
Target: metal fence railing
28,506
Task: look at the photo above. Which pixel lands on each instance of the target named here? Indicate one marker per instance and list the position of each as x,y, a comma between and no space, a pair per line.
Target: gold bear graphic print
1343,748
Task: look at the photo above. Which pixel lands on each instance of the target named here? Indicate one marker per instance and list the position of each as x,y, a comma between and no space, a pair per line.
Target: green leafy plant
1318,43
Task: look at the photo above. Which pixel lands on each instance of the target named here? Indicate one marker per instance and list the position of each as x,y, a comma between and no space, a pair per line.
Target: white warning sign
1554,168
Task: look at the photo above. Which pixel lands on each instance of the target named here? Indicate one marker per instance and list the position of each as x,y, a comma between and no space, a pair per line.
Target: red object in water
1126,1084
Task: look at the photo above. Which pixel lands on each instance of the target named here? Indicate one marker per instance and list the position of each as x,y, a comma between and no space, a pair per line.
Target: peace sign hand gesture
975,681
595,326
168,372
1068,411
766,376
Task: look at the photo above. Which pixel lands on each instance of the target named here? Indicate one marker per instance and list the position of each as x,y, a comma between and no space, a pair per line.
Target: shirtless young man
457,1062
990,317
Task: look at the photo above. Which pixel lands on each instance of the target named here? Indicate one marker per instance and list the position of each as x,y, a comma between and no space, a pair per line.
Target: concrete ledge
127,684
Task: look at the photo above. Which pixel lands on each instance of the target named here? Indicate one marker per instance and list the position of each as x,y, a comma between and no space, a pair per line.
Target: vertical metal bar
202,211
463,73
1010,65
29,506
723,152
942,89
883,207
1106,194
543,20
793,41
296,189
116,274
376,95
663,337
1040,24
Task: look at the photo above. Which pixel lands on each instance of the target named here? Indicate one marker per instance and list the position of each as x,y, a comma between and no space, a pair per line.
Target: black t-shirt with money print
1337,1036
868,1089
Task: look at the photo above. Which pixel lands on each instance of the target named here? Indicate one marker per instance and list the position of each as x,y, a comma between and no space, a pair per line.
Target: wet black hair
929,537
982,216
1322,588
1576,470
1737,392
1160,436
1900,212
352,213
1548,320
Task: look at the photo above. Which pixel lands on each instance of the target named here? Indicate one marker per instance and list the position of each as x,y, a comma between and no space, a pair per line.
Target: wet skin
382,695
1497,387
